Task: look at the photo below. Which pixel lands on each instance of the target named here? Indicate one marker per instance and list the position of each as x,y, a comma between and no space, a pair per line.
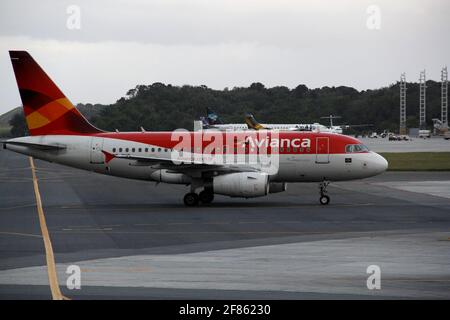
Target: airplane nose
380,164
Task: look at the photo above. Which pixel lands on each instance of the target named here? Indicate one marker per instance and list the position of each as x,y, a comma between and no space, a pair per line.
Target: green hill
12,122
5,118
165,107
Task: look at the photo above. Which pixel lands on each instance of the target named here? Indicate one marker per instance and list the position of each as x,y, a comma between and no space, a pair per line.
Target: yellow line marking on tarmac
51,266
21,234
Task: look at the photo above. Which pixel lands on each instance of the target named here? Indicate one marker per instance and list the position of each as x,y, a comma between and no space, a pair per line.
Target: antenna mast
422,101
403,103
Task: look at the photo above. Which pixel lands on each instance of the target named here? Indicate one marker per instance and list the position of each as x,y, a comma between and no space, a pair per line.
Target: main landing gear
324,199
191,199
206,196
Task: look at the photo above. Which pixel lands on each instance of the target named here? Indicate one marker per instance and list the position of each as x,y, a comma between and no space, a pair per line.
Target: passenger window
146,149
114,150
153,149
126,150
133,149
120,149
140,150
159,149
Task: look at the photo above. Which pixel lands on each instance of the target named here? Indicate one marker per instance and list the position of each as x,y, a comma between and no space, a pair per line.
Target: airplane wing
40,146
185,165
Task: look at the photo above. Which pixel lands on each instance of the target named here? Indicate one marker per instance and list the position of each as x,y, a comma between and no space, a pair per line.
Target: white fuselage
85,152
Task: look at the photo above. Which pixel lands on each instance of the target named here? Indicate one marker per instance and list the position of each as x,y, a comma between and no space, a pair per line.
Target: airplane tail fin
47,110
212,117
252,123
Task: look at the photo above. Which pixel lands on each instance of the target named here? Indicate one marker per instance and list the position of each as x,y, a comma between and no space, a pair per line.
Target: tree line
159,106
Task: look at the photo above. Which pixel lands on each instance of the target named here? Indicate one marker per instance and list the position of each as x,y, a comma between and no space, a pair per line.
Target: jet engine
242,184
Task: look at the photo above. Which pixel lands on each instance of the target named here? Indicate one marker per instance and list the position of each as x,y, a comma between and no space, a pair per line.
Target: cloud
221,43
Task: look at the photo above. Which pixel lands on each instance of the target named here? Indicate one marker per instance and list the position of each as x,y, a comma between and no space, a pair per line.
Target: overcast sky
222,43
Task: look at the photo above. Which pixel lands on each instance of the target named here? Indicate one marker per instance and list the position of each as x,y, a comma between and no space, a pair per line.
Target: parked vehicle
385,134
393,137
404,137
424,134
447,135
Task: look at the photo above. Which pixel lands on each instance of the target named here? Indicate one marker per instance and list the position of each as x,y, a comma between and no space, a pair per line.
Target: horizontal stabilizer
39,146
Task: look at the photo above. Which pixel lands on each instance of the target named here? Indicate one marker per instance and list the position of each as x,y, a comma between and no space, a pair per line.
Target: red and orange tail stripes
47,110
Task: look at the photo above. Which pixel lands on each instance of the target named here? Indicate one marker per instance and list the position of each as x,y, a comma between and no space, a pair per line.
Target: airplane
340,128
253,124
59,133
212,121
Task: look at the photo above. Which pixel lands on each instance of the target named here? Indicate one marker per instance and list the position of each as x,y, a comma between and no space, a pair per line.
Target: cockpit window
355,148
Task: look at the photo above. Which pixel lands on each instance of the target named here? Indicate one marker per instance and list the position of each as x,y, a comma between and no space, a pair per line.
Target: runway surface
435,144
134,240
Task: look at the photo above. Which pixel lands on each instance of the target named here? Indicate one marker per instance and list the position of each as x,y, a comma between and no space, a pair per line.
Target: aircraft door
322,150
97,156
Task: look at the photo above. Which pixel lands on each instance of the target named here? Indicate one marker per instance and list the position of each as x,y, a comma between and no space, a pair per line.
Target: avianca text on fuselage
278,143
59,133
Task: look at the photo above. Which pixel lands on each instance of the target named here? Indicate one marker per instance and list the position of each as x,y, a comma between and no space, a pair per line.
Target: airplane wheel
206,197
191,199
324,200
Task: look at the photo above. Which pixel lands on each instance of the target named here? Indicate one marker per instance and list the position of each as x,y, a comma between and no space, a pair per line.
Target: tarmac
434,144
135,240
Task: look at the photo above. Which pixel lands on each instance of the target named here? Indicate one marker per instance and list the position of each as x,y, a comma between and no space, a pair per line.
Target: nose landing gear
324,198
